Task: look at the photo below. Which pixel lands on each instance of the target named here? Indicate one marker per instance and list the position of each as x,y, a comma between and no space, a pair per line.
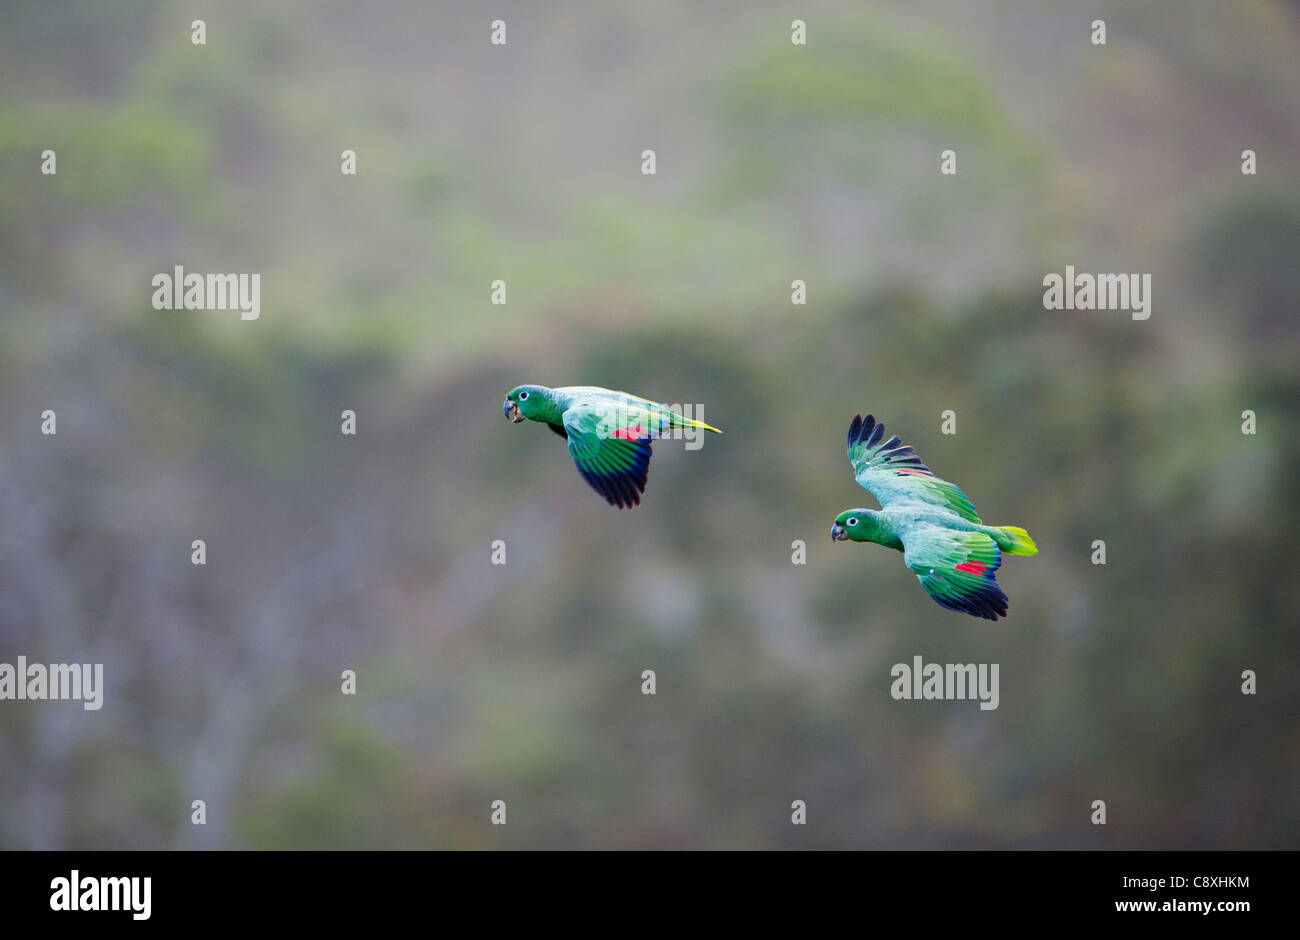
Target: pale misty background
522,162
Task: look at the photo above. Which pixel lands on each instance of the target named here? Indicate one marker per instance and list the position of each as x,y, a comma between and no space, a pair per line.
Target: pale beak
511,411
837,533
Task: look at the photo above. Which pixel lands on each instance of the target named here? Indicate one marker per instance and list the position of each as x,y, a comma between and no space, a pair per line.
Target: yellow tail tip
1021,543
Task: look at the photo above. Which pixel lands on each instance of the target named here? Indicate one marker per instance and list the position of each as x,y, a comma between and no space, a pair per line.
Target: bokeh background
522,682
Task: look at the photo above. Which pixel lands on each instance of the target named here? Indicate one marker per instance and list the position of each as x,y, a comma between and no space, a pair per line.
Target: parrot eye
852,520
523,396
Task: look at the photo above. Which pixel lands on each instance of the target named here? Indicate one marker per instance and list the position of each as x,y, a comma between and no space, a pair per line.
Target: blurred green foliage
522,683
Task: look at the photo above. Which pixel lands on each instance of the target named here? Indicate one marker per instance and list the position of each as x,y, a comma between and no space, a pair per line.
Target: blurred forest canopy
522,162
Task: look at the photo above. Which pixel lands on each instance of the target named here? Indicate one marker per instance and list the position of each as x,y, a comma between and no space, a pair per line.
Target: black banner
234,889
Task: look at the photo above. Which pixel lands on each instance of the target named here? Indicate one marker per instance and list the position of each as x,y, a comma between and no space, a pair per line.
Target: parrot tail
1015,540
678,421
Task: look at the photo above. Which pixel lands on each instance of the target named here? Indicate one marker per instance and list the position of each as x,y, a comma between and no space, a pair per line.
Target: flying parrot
930,521
609,433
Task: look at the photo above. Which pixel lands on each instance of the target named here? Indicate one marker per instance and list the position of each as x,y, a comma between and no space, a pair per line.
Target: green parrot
930,521
609,433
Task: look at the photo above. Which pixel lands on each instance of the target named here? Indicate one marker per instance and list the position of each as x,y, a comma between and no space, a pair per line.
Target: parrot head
526,401
853,525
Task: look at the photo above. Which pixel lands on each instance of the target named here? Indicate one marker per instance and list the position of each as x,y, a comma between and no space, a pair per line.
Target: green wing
893,473
957,569
614,462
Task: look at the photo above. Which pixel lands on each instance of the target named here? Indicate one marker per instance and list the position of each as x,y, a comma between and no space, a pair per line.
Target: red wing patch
919,473
632,432
972,567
